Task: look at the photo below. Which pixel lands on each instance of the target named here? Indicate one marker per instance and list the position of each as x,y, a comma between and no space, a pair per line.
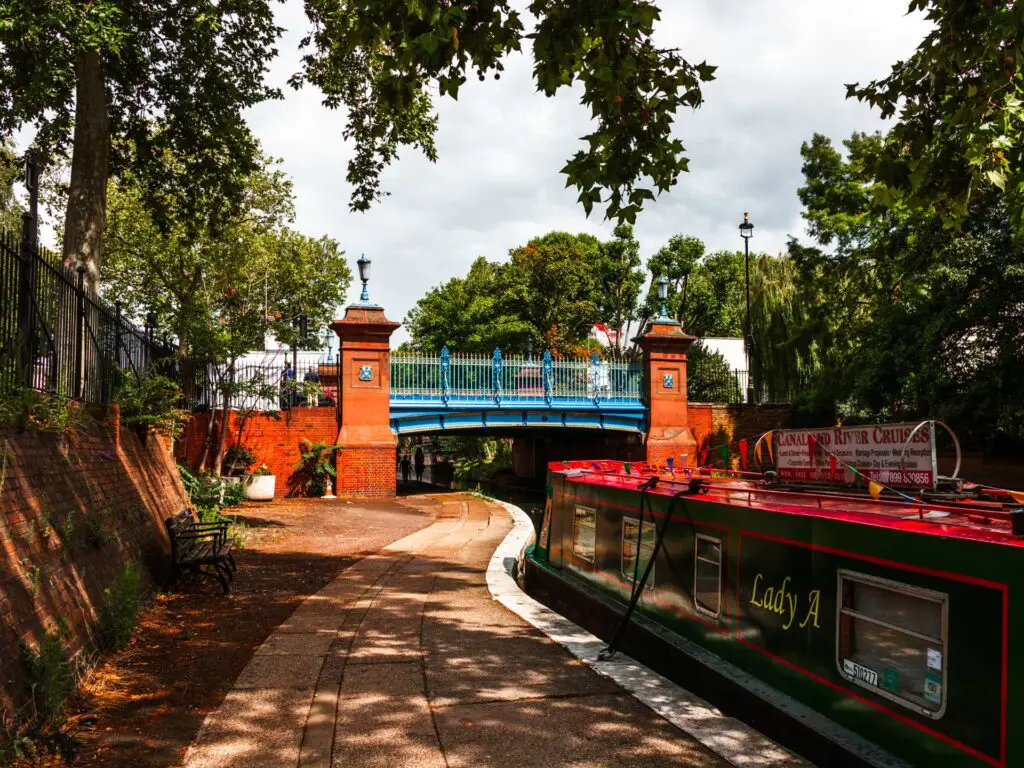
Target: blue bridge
434,393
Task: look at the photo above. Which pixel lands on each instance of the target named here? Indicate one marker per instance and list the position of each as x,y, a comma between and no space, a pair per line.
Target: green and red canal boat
897,619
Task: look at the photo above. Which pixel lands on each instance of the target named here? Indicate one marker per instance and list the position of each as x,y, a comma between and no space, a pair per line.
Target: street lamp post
663,296
364,274
747,232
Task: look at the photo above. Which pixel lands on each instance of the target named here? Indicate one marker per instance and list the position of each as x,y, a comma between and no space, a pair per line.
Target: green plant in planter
237,460
317,464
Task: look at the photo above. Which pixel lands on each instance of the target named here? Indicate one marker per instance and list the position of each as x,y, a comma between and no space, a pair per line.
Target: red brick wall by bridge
276,442
715,423
73,510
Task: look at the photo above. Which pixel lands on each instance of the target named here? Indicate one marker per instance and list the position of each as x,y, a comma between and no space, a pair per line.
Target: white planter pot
260,487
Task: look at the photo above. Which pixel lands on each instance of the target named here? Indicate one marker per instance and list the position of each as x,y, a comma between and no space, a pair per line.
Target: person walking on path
419,462
405,468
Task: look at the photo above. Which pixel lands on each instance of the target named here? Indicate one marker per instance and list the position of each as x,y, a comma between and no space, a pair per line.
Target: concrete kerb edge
727,737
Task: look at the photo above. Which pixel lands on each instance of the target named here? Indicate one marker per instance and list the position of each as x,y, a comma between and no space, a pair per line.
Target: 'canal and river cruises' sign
891,454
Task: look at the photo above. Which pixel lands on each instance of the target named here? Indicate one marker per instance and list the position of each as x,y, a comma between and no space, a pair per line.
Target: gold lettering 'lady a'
814,597
784,602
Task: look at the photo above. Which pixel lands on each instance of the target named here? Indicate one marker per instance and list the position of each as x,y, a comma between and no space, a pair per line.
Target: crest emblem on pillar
669,381
366,373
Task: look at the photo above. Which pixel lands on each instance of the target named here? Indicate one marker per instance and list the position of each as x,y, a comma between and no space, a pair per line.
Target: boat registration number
857,672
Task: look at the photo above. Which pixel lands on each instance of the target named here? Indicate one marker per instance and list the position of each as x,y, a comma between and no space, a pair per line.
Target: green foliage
709,379
317,464
48,673
42,411
176,78
383,60
481,458
620,280
120,609
905,318
210,494
152,401
552,290
238,460
959,114
10,173
221,290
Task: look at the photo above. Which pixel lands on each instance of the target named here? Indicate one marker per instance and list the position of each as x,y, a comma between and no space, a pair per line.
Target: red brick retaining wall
73,510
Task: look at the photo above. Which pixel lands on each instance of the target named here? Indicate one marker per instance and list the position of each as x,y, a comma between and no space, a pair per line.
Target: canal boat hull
899,633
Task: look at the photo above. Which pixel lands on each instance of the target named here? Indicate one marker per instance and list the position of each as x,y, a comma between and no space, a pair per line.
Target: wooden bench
195,544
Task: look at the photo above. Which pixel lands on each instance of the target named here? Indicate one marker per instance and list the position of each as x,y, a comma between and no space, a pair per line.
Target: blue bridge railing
499,381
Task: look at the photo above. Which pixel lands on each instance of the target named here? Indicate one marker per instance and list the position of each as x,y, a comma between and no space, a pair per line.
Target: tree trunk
222,438
90,168
205,451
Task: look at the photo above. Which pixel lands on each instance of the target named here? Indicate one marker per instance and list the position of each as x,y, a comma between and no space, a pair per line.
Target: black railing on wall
56,337
718,384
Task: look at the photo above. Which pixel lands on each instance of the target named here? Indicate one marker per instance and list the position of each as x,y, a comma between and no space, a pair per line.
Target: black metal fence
56,337
714,383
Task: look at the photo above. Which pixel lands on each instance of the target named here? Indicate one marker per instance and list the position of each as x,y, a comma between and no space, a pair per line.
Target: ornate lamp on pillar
665,345
366,460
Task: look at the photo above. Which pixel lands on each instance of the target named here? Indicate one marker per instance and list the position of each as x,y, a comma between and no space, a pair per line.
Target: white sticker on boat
934,659
858,672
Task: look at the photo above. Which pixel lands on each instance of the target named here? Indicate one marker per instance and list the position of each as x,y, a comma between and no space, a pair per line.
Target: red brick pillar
665,345
366,461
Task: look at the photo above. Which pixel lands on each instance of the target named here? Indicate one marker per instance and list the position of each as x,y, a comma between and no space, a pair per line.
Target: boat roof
966,518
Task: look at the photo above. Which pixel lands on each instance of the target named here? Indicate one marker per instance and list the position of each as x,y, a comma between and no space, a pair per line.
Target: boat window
584,533
630,526
892,640
707,575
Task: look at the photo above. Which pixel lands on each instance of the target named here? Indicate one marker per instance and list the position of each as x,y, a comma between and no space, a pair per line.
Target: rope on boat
608,653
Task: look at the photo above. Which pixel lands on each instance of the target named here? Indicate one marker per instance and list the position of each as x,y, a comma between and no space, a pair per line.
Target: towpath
406,660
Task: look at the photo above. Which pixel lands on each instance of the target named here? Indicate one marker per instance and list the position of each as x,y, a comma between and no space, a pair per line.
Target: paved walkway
405,660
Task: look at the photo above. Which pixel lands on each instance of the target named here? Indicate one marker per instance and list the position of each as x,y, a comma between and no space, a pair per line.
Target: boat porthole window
892,640
630,528
707,575
584,533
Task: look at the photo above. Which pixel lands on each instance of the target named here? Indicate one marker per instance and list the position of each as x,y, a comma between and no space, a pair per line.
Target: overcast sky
781,70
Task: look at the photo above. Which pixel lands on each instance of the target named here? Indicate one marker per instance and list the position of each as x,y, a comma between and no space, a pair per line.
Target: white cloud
781,74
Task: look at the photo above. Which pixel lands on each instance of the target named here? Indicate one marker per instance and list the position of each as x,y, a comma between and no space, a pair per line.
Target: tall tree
906,319
620,280
676,261
121,83
383,59
548,291
254,265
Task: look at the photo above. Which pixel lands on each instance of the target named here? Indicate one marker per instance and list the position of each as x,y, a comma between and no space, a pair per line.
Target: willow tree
118,83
